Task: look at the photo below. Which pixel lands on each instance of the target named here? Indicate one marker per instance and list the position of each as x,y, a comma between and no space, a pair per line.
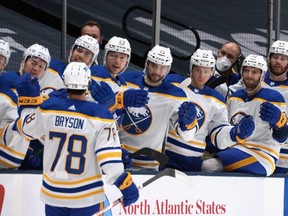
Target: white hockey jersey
13,146
147,126
281,87
80,140
212,119
50,81
261,143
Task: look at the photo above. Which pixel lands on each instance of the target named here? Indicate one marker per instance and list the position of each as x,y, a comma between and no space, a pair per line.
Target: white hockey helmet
256,61
88,43
118,44
38,51
77,76
203,58
279,47
160,55
5,50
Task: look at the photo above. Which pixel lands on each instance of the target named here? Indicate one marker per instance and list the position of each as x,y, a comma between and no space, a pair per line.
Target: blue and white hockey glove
103,94
133,98
28,90
187,116
273,115
243,130
128,188
127,161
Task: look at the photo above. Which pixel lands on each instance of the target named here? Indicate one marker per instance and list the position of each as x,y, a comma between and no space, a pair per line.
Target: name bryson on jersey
69,122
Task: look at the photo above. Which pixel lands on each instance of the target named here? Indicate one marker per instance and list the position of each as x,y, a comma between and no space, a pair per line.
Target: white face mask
223,64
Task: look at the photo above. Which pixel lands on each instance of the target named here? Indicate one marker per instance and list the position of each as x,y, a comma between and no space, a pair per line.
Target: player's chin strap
167,172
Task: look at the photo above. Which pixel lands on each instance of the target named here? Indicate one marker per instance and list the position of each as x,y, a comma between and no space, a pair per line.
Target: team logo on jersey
200,115
137,120
272,83
46,91
236,118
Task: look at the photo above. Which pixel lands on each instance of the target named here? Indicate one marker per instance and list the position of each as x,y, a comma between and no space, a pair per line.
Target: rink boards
230,195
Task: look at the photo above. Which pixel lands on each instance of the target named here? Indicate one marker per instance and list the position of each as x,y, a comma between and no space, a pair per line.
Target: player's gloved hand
31,161
273,115
187,116
132,98
27,86
127,161
28,90
243,130
103,94
128,188
60,93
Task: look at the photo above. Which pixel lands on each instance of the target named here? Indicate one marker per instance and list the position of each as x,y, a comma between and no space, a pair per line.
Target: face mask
223,64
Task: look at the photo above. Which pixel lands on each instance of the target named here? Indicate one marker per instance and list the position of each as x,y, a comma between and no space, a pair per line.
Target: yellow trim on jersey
7,164
48,179
69,196
130,148
3,129
109,155
132,85
283,157
240,164
251,145
8,98
12,151
195,143
145,165
215,99
96,78
170,96
20,129
52,71
263,155
58,112
234,98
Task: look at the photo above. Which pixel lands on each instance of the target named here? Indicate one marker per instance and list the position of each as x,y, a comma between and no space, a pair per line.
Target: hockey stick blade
153,154
167,172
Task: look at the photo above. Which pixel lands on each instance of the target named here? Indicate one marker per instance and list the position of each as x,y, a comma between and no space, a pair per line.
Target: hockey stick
2,194
153,154
167,172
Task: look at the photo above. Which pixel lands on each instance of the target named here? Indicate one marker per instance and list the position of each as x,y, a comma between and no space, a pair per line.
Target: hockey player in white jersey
35,60
84,49
116,60
81,141
147,126
5,53
13,147
211,117
276,78
259,152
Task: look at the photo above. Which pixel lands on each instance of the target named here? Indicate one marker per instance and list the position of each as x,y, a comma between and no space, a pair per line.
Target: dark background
26,22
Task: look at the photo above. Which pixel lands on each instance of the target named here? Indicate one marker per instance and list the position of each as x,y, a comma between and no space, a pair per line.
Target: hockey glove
127,161
103,94
128,188
187,116
243,130
273,115
28,90
132,98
